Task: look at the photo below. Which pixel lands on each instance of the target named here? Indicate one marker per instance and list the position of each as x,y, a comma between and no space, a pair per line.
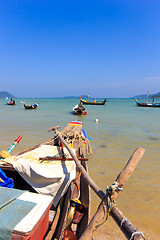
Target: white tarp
50,177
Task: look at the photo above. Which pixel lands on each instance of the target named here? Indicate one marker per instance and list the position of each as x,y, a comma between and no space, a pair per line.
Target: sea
116,129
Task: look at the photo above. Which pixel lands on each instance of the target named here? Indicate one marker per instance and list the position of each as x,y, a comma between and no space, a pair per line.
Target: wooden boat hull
142,104
77,189
31,106
93,103
79,109
148,105
80,113
11,103
57,226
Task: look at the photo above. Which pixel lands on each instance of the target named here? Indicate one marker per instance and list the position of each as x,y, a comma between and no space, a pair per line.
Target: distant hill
6,94
83,96
150,95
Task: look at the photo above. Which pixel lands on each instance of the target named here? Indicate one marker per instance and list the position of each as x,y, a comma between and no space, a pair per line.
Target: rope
136,233
123,221
110,190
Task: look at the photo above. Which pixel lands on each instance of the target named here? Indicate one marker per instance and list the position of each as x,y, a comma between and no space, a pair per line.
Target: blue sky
49,48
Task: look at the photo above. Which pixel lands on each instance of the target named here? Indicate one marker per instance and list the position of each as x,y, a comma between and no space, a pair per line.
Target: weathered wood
53,226
124,175
89,181
53,128
63,217
97,219
125,225
121,179
100,216
128,169
85,198
101,213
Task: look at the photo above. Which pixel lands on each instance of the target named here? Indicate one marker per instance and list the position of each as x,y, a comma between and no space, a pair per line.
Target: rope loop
110,190
136,233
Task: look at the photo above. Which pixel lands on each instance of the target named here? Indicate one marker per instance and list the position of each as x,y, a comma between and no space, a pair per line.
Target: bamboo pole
121,180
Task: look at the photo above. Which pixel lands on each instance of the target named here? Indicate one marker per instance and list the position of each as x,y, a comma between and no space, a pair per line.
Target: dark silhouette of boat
79,109
32,106
144,104
11,102
94,102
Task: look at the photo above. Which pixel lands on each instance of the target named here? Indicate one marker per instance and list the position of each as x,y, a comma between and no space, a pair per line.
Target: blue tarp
85,134
7,182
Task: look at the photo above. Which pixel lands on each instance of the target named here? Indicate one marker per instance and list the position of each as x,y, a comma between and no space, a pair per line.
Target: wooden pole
100,216
128,169
127,228
95,188
125,225
121,180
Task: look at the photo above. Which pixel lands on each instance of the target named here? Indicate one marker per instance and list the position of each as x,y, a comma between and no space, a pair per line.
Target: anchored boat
79,109
32,106
11,102
95,102
144,104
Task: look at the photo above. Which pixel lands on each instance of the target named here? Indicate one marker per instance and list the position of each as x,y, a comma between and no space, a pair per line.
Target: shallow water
121,128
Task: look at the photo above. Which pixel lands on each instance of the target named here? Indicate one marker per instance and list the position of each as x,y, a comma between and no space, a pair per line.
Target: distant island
83,96
4,94
150,95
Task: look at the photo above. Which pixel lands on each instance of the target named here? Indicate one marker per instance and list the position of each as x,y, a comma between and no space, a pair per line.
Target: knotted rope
110,190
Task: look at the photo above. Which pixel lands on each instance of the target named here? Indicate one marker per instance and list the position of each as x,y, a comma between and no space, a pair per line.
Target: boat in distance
94,102
32,106
144,104
79,109
11,102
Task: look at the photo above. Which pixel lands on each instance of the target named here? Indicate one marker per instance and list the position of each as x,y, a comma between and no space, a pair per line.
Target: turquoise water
121,128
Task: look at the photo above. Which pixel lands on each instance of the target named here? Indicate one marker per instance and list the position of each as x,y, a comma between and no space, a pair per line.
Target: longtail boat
66,215
145,104
94,102
48,168
31,106
79,109
11,102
